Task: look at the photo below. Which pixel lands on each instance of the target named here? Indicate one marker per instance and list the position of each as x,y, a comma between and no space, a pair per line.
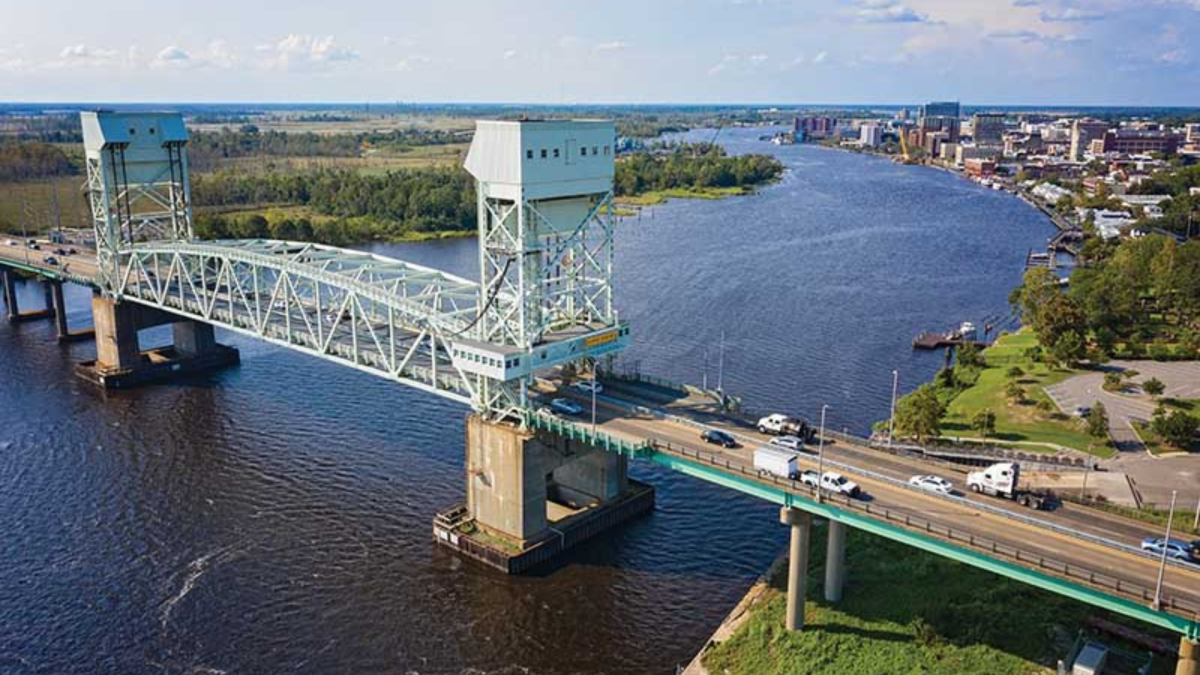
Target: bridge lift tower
545,254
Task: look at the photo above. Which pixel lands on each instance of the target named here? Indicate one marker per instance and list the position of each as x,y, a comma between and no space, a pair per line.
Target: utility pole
1196,520
821,453
892,417
721,366
704,378
1162,562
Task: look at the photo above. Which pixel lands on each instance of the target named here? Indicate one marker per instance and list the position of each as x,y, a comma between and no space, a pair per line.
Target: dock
932,340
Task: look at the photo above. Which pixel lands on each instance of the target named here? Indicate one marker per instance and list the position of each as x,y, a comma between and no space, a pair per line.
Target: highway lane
82,264
1181,583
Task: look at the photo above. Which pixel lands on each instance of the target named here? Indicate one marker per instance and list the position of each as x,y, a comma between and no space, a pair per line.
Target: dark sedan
717,437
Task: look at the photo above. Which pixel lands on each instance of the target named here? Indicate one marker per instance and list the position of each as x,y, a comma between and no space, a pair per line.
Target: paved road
617,416
1155,478
82,264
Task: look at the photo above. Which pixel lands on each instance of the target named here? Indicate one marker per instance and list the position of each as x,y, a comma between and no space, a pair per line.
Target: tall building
941,109
933,124
814,127
1083,132
870,135
988,128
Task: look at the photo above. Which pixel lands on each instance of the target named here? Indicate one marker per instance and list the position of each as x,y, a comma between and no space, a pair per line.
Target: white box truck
776,462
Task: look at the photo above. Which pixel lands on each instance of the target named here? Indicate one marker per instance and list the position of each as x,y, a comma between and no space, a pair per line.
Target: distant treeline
692,166
363,207
43,128
31,161
207,149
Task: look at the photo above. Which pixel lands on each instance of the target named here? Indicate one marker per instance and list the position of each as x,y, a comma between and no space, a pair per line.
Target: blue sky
1052,52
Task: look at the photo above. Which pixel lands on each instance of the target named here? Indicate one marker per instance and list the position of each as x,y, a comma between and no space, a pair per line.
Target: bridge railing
1098,578
584,433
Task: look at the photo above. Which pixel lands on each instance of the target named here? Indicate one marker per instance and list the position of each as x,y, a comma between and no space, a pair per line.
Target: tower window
556,153
583,150
595,150
528,154
543,153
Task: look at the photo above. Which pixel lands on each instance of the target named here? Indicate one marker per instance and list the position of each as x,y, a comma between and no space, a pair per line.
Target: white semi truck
1003,480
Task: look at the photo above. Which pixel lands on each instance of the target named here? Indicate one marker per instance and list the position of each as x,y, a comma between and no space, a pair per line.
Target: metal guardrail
1097,579
962,501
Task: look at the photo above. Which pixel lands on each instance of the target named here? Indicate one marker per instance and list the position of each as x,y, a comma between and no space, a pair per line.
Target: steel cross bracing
548,275
383,316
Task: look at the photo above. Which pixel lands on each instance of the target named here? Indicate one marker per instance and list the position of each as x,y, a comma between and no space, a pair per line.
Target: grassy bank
1033,419
655,197
906,611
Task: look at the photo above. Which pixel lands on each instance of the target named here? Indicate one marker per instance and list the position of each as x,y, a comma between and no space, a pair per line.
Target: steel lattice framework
546,262
390,318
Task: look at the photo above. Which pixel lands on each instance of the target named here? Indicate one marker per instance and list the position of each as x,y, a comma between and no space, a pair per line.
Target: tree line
1141,293
692,166
207,149
31,161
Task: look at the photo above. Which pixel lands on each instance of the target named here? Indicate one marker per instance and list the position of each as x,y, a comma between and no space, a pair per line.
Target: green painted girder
55,275
723,476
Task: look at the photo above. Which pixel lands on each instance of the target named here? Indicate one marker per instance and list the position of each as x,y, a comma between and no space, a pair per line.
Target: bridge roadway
1085,546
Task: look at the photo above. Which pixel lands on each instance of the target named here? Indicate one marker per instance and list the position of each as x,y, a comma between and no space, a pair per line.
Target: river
276,517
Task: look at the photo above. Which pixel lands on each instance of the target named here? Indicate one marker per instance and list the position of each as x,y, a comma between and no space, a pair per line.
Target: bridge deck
1085,547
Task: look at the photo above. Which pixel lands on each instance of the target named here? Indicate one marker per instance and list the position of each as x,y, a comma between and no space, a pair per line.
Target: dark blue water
276,517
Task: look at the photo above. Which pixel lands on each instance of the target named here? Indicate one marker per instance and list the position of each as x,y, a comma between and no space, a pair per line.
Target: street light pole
1162,562
821,453
892,418
595,385
1196,521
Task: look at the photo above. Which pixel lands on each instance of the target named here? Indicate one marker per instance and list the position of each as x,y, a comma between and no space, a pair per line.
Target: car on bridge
589,387
831,481
718,437
50,260
932,484
565,406
792,443
10,242
1176,548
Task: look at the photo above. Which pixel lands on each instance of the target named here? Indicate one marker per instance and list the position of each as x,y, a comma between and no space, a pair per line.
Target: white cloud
511,54
83,56
408,63
614,46
820,58
1069,15
887,11
174,57
306,52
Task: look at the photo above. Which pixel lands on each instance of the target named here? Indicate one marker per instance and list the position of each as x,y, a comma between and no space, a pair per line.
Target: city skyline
1009,52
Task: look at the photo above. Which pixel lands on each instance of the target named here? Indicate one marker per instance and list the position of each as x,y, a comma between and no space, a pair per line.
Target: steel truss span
382,316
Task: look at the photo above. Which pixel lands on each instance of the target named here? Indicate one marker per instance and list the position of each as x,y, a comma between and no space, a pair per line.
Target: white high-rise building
870,135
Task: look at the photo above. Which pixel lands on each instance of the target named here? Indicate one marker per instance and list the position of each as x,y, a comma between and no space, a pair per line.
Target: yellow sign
601,339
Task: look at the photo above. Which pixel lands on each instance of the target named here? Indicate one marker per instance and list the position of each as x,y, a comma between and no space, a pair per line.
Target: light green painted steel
581,433
53,274
747,485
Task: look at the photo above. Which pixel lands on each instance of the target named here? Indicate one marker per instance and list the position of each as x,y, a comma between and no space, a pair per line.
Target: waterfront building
964,152
988,128
979,168
1049,192
814,127
948,152
1083,132
870,135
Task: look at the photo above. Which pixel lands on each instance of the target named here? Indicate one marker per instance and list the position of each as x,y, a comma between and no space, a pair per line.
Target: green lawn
1018,422
655,197
892,621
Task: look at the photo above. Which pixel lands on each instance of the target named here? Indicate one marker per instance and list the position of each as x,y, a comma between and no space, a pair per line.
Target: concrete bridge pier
64,332
1189,657
120,361
15,315
801,542
532,495
835,562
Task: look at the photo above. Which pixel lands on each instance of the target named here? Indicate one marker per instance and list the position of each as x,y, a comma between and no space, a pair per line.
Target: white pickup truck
779,424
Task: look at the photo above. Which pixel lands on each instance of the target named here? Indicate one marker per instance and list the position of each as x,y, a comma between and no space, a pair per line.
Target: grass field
655,197
893,621
1019,421
31,205
416,157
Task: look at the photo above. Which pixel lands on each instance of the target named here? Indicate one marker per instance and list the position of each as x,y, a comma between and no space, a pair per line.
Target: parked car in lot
718,437
932,484
1177,549
792,443
565,406
589,387
1082,411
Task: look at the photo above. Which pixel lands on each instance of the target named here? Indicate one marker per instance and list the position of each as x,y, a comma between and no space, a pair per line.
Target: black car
717,437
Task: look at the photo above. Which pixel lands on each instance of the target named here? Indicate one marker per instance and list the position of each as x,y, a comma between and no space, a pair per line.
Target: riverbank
888,622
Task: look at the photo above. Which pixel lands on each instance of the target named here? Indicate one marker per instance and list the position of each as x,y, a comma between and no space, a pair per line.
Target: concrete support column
116,333
801,524
506,480
835,562
1189,654
193,338
55,290
10,294
595,477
